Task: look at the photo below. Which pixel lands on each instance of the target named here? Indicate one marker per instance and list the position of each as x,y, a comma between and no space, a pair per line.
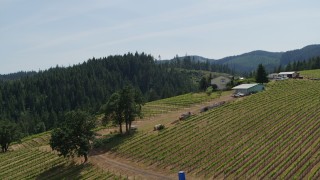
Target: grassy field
33,159
174,103
315,73
274,134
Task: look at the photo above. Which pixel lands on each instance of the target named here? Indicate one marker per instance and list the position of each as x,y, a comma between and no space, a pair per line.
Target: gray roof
245,86
221,76
287,72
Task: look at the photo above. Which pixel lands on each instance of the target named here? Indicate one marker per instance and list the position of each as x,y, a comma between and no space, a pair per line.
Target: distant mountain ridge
248,62
243,63
17,75
300,54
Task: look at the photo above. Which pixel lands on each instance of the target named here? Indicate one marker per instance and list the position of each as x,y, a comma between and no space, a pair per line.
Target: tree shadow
63,171
109,143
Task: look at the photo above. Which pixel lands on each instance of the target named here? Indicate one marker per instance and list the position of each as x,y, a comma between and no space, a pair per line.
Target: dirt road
128,169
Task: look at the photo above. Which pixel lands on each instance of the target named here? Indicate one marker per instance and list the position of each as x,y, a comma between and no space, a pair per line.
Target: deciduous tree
73,136
124,106
113,110
131,102
8,134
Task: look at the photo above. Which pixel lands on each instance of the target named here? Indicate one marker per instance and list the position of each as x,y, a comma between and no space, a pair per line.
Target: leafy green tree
8,133
261,75
124,106
209,90
131,102
74,134
114,111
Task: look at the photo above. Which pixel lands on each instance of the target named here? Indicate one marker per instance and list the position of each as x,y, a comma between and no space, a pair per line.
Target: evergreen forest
36,102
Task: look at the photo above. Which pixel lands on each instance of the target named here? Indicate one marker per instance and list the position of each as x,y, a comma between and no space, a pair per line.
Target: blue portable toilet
182,175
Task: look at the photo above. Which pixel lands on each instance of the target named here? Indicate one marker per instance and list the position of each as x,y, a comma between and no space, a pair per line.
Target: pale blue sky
38,34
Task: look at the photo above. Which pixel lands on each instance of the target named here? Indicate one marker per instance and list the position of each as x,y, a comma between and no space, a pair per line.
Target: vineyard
174,103
310,73
33,159
274,134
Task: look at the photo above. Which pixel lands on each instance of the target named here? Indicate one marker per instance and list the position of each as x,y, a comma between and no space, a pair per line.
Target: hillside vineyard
273,134
32,160
163,106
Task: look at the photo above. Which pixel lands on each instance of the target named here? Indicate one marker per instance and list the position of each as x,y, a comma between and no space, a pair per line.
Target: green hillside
274,134
250,62
33,159
315,73
37,102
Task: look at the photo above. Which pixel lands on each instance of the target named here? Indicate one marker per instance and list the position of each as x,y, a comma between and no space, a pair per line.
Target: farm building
292,74
221,82
273,76
248,88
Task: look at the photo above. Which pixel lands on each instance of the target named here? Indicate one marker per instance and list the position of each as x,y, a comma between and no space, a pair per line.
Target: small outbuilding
248,88
273,76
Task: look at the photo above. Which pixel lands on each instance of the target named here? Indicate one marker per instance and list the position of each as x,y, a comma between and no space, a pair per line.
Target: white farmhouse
221,82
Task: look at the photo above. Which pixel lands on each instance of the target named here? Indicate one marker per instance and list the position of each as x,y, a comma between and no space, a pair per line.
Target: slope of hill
300,54
164,106
274,134
37,103
315,73
250,61
33,159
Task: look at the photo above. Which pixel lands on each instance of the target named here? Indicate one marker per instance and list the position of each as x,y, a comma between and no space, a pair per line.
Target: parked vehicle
238,95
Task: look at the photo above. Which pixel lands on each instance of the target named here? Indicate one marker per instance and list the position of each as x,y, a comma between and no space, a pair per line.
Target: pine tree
261,76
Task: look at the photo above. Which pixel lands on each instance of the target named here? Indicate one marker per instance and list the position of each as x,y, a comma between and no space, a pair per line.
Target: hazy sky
38,34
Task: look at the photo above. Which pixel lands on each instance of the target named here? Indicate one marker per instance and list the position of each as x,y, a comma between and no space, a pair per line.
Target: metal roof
287,72
245,86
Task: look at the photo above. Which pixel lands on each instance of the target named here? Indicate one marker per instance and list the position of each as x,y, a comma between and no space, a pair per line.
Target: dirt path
140,171
127,168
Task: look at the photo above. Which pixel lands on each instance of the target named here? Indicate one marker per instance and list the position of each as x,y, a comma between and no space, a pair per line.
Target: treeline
188,62
312,63
17,75
36,103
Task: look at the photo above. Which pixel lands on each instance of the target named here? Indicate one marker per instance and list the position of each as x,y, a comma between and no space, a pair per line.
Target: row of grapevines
272,134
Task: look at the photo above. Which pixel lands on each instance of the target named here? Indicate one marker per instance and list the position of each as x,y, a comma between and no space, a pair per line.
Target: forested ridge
37,103
312,63
17,75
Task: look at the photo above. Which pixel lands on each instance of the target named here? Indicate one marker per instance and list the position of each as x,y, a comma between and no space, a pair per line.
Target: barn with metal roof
248,88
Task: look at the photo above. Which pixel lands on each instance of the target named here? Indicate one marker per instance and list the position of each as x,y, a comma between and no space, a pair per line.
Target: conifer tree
261,76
